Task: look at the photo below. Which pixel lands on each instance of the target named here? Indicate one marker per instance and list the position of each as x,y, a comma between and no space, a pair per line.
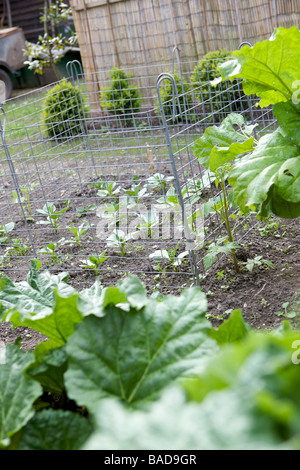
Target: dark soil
260,293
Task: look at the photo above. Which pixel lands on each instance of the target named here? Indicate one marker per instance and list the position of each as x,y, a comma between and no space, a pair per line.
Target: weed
285,312
258,261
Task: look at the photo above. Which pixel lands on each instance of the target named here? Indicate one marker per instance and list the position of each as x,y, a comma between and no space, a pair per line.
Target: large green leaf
133,355
60,315
49,369
221,155
268,179
57,324
135,290
231,330
89,300
221,144
226,420
288,116
18,392
54,430
246,398
36,295
269,68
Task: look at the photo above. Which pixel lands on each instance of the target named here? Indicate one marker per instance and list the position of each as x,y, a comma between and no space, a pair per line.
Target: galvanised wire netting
98,176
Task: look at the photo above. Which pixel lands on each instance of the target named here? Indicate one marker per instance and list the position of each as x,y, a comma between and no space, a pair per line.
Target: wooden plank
89,4
131,33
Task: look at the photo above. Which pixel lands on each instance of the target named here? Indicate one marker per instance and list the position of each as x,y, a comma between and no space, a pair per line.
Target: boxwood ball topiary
121,98
64,111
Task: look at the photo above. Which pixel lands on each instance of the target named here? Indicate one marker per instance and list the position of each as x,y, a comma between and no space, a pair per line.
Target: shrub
121,98
225,93
182,113
64,111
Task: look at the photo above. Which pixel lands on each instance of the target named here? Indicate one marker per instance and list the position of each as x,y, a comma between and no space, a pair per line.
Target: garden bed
260,294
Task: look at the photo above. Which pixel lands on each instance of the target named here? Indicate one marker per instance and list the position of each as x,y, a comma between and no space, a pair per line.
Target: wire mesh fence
100,177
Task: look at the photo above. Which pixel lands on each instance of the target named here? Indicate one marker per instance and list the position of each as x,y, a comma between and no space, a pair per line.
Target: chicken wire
113,174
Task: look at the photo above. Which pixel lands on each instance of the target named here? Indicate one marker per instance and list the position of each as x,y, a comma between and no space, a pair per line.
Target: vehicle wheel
5,86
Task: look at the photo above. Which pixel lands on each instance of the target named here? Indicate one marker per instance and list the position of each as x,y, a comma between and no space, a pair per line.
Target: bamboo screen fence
128,33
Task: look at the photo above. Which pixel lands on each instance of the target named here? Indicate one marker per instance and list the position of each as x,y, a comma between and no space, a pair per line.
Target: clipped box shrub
226,97
64,111
183,110
121,98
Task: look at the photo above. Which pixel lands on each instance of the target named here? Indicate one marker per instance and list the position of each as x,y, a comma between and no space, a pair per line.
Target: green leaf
133,355
36,295
18,392
55,430
113,296
89,300
227,419
57,323
268,179
135,290
231,330
269,68
49,369
220,156
221,144
288,116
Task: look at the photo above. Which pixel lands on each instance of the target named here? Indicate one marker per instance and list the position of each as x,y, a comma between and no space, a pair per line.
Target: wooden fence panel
130,33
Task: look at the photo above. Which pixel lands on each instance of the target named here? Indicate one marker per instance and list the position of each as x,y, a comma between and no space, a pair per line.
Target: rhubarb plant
216,150
267,180
118,369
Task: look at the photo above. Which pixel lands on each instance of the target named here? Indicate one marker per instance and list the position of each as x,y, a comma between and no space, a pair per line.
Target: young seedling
221,246
146,224
51,248
78,232
169,256
170,198
192,190
106,189
160,256
285,313
258,261
49,210
159,181
94,262
112,212
25,197
4,230
118,239
136,193
82,211
17,247
270,228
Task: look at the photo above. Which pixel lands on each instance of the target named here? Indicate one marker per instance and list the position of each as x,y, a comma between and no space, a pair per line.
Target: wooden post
113,33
